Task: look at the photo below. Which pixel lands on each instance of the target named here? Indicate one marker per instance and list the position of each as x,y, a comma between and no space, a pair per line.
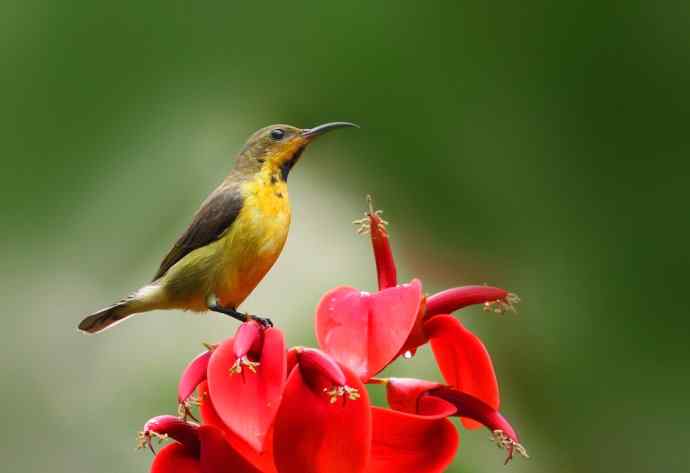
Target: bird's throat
287,165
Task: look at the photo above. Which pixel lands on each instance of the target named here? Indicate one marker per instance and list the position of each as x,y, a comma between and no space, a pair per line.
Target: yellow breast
255,240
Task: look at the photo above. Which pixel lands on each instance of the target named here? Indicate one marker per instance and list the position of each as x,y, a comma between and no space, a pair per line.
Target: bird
234,238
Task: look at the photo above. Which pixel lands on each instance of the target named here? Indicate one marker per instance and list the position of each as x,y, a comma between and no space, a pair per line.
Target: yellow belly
254,242
232,266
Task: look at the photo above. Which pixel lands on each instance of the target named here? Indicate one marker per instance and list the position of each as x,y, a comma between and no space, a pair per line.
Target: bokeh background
538,146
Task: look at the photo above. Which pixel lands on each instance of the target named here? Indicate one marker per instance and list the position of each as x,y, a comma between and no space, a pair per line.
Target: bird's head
277,148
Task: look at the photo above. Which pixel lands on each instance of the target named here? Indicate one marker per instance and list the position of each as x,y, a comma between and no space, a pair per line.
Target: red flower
324,422
367,331
197,449
265,409
432,400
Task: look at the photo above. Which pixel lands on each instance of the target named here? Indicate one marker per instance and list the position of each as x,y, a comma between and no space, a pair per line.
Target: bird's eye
277,134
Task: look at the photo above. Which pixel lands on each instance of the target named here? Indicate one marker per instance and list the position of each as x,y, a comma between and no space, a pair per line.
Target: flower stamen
346,392
501,306
144,439
372,216
244,361
503,441
184,411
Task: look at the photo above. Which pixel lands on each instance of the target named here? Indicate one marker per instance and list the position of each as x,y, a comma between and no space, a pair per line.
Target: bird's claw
265,322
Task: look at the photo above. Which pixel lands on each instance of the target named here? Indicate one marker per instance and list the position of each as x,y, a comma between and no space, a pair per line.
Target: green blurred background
538,146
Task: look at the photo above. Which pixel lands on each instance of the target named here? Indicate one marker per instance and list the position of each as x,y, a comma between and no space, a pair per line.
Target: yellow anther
352,393
244,361
501,306
144,439
342,391
183,410
364,224
505,442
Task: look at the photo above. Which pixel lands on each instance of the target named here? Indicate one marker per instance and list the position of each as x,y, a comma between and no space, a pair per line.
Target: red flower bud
170,426
319,371
248,339
450,300
473,408
385,264
202,449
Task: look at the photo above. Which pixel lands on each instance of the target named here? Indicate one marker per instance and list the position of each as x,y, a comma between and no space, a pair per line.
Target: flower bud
448,301
385,264
170,426
323,375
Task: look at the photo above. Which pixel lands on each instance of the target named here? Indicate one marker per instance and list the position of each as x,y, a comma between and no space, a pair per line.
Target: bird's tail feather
147,298
107,317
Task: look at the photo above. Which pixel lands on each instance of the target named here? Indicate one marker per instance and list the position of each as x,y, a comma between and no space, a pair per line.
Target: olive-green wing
212,219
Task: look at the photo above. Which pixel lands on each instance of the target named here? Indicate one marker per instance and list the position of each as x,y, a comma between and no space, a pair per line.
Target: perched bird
234,238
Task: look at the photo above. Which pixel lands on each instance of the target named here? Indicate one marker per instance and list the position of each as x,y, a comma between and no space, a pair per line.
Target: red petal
431,406
292,356
450,300
313,435
262,461
366,331
408,443
385,264
403,395
175,458
217,456
463,360
247,402
193,375
417,336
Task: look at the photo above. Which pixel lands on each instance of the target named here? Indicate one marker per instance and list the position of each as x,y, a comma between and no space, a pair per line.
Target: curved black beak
311,133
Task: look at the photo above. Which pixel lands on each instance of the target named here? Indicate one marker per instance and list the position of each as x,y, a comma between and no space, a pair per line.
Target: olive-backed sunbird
234,238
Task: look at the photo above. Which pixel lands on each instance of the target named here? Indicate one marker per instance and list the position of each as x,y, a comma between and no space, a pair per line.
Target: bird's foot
215,307
265,322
